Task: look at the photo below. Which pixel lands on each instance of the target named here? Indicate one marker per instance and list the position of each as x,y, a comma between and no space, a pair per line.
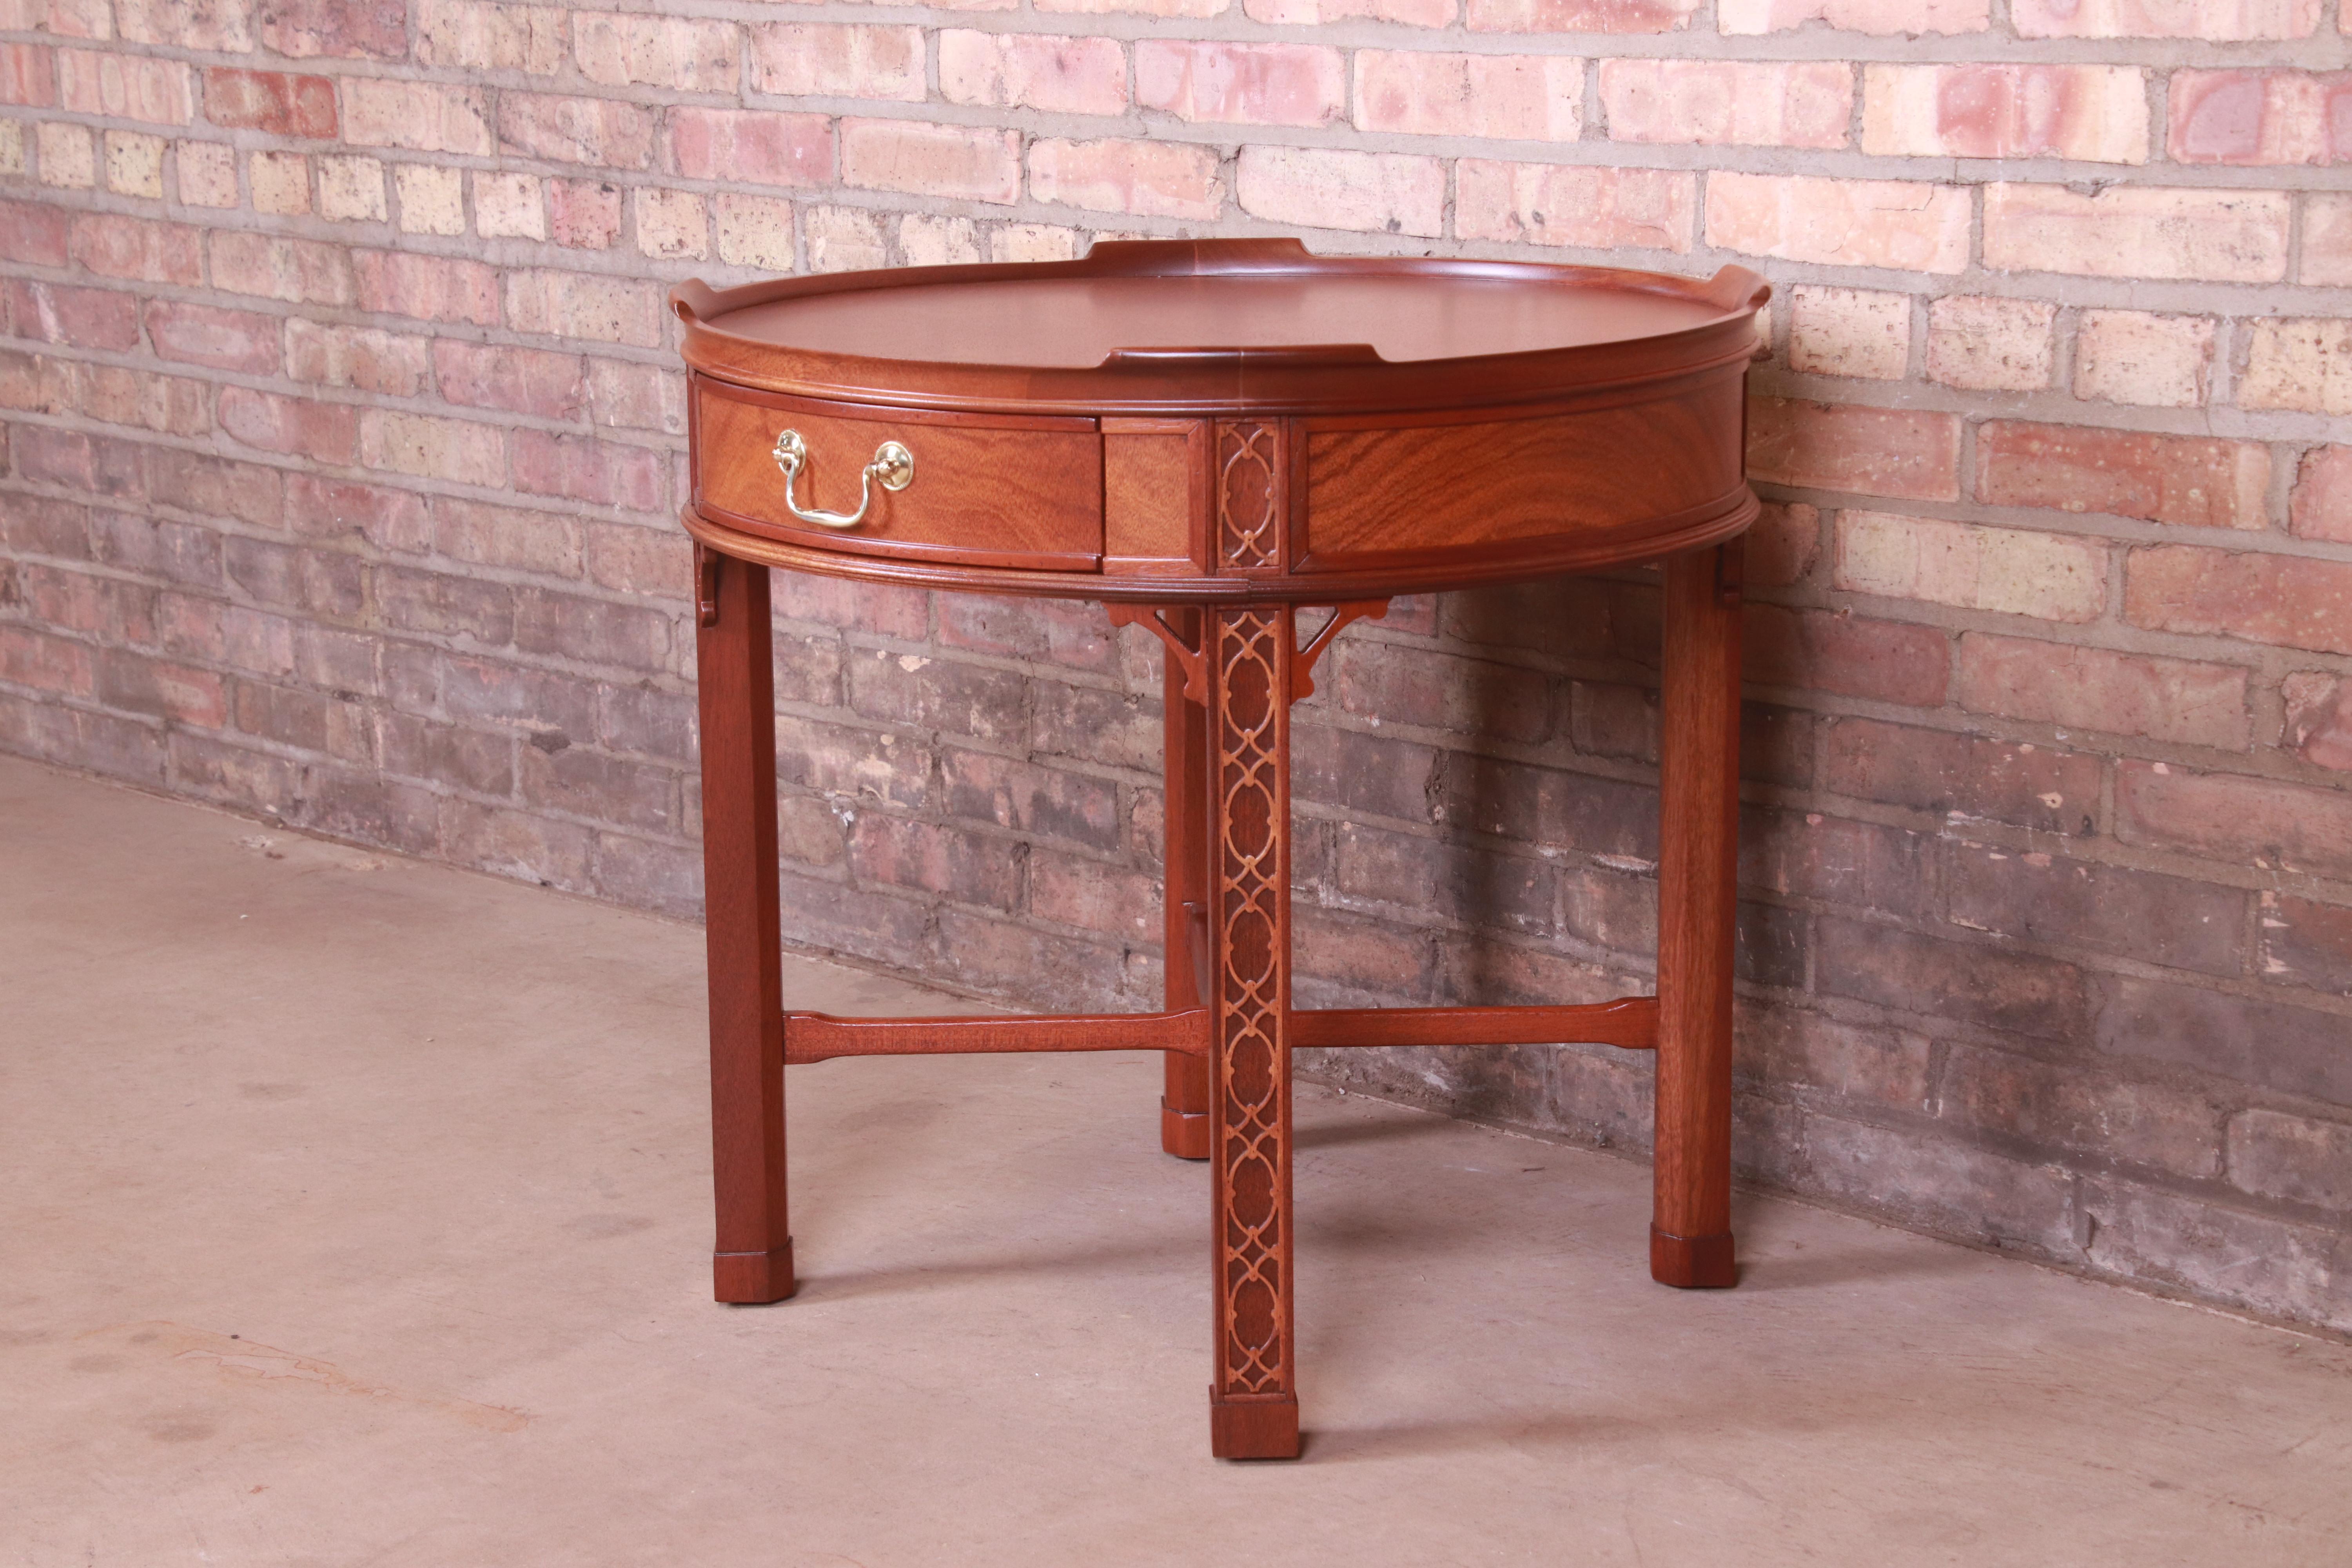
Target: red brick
339,29
577,130
2233,817
1802,104
1879,18
1434,690
2260,117
1580,204
1784,544
961,162
1839,447
584,214
167,690
2318,726
969,867
126,87
368,359
1969,983
27,75
2238,19
2306,943
2321,506
2090,114
2134,231
32,233
242,341
136,248
2279,599
1019,71
272,101
1825,650
593,631
1963,777
391,520
522,381
2188,480
323,432
427,288
1579,16
755,146
59,313
34,659
1076,636
2095,688
902,612
2157,1125
214,487
584,468
1234,83
1518,97
77,461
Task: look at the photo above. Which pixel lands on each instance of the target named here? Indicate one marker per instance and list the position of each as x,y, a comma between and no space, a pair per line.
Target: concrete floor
355,1211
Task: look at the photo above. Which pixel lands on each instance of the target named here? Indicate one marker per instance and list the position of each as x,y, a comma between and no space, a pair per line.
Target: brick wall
342,442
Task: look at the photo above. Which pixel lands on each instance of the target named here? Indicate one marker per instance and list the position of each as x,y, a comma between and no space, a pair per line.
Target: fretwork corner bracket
1303,660
1343,615
1188,656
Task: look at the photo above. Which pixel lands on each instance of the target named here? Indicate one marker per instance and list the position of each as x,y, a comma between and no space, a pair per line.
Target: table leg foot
753,1279
1693,1262
1183,1133
1254,1428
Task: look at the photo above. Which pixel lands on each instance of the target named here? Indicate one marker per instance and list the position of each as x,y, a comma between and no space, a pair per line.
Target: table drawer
985,489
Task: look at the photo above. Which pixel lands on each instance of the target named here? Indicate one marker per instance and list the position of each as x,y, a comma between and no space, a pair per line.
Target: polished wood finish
1690,1229
820,1036
989,490
1254,1402
1210,438
754,1260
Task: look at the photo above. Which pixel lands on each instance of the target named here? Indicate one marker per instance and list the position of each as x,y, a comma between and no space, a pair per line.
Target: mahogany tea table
1208,436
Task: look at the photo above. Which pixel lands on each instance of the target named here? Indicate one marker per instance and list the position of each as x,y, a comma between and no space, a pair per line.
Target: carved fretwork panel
1251,653
1250,495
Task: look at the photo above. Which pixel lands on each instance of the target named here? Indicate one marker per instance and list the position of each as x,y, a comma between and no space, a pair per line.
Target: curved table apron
1045,429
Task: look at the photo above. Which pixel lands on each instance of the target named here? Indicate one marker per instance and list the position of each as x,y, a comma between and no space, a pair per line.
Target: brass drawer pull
892,464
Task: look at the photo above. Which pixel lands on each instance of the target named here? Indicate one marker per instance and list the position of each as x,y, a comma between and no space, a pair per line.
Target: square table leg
1254,1403
1184,1104
1690,1231
737,689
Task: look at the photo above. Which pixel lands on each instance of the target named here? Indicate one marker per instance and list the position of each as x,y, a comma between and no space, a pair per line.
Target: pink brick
1098,7
1990,344
2134,356
1839,447
685,55
564,129
242,340
584,305
1378,193
429,288
366,359
1721,103
125,87
2260,117
424,117
1315,13
2318,726
1028,71
301,271
1854,656
2321,506
2090,114
583,215
2218,21
1250,84
2282,600
2195,481
27,75
58,313
582,468
2094,688
1878,17
323,432
753,145
1519,98
1579,16
962,162
521,381
1585,205
823,59
1849,332
2233,817
2131,231
32,233
273,101
1894,224
345,30
2299,363
2326,240
1155,179
116,246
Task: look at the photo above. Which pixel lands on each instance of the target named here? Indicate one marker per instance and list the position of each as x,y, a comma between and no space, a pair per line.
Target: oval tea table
1209,437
